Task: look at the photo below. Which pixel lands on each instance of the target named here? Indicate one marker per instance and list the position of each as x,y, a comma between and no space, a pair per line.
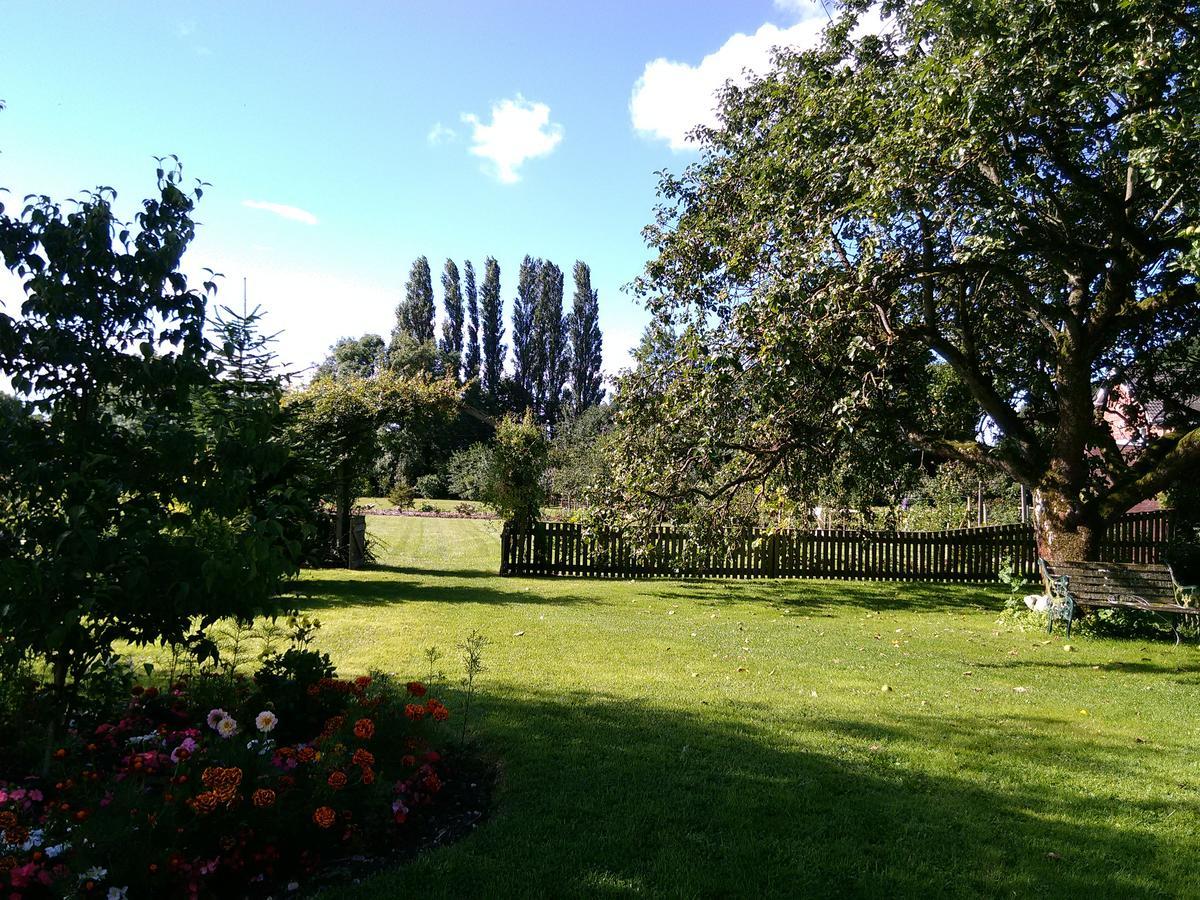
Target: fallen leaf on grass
1020,690
518,633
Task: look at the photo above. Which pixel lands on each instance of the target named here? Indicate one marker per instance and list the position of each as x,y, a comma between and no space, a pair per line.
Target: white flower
266,721
215,716
227,727
95,873
118,893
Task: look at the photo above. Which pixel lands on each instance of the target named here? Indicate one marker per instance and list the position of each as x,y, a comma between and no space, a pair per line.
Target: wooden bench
1100,585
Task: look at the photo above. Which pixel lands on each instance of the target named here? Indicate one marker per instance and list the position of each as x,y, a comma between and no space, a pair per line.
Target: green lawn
737,738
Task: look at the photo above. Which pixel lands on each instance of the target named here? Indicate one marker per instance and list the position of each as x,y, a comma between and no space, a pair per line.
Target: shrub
402,495
432,486
514,488
468,471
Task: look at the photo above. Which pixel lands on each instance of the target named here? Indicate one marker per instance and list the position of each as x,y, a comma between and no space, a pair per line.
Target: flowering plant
232,800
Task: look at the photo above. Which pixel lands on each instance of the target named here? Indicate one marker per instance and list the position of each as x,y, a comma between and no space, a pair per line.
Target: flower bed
229,787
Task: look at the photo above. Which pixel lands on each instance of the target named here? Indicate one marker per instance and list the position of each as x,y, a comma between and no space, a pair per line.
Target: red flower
368,776
337,780
416,688
263,798
324,817
363,758
415,711
364,729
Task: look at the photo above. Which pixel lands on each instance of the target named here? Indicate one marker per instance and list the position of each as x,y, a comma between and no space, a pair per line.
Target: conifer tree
492,328
586,342
452,327
471,351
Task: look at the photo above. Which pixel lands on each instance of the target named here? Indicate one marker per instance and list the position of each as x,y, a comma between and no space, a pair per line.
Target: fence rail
967,554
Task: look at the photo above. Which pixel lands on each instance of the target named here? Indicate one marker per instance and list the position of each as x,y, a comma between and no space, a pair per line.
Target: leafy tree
339,422
492,335
579,460
414,315
526,343
550,334
471,354
1007,188
146,490
468,471
586,343
515,488
362,356
452,328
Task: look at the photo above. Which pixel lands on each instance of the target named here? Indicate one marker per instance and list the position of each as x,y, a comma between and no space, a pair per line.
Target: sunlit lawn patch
733,738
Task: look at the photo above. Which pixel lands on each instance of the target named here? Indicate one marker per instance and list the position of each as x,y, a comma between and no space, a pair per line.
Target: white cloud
672,98
520,130
441,134
295,213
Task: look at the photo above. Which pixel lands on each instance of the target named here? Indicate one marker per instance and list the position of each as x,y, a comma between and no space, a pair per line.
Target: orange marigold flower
368,776
8,819
363,758
364,729
337,780
324,817
306,754
441,713
204,803
16,834
363,681
7,863
416,688
415,711
263,798
226,793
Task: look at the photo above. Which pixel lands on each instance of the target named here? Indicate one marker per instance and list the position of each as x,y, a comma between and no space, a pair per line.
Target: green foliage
586,343
149,488
492,328
1010,192
526,346
550,338
402,495
515,486
471,353
362,356
468,471
579,459
452,328
948,498
431,486
414,315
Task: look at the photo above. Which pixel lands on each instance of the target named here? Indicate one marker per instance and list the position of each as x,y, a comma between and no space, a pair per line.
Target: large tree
414,315
586,342
526,344
491,328
363,356
143,485
471,353
1011,188
550,337
452,327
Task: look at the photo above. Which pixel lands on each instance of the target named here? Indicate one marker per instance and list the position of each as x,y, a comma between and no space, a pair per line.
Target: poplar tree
492,328
452,327
525,345
550,338
471,351
586,342
414,315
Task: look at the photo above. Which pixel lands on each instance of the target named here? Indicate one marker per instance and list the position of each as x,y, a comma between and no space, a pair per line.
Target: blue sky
342,140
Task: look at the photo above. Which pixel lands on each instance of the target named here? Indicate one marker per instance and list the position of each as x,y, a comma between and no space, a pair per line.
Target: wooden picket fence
966,554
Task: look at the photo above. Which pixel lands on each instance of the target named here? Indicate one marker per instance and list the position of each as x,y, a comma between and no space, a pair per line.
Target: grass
736,738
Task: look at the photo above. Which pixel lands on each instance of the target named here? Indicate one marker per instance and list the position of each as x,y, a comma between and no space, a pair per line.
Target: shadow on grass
604,797
805,597
333,592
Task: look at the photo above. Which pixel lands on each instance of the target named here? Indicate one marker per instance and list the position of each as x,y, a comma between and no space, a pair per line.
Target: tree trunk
1063,532
343,515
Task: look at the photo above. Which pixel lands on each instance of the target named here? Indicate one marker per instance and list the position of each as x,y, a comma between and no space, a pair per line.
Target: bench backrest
1099,582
